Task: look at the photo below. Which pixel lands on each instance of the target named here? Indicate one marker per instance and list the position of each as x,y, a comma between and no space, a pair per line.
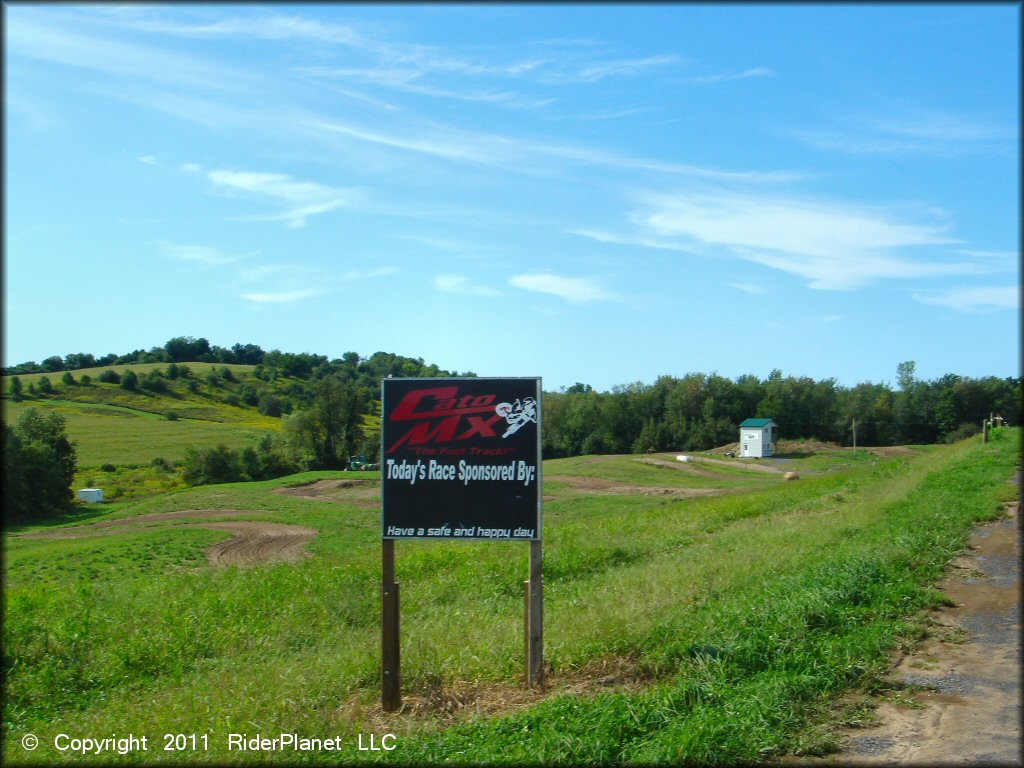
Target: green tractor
360,464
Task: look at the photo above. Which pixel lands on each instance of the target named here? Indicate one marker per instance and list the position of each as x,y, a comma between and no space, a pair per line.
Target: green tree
68,379
219,464
15,389
329,430
39,466
129,380
45,385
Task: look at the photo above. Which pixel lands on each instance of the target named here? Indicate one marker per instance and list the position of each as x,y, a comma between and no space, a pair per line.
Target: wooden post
391,683
984,431
535,619
526,631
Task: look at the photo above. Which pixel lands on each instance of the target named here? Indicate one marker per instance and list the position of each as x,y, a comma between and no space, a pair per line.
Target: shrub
249,395
45,386
15,389
129,380
110,376
171,416
965,430
86,380
68,379
193,386
108,468
270,405
154,382
212,465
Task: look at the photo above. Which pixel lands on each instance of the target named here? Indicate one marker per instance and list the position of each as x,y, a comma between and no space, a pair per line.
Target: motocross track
253,542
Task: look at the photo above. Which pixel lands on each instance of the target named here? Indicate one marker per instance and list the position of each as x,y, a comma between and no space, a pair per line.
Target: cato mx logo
442,416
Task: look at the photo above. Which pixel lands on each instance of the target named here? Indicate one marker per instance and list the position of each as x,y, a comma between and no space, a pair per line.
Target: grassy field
714,628
105,434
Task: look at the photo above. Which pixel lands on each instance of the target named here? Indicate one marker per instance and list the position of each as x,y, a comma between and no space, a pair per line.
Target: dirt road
968,709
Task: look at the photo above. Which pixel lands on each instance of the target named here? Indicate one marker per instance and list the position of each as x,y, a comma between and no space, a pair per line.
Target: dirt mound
258,543
359,492
690,467
253,542
891,450
601,486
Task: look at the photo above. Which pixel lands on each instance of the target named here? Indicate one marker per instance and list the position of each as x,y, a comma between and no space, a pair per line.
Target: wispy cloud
728,76
526,156
301,199
747,288
148,160
201,254
463,285
831,245
64,39
917,133
982,299
575,290
282,297
367,274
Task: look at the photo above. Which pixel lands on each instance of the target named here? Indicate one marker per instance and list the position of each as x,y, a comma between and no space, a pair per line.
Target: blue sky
593,193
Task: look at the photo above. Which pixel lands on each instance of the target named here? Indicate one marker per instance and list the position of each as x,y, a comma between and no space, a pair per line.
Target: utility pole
855,437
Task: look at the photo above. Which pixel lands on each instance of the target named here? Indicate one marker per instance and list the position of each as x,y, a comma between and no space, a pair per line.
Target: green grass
746,614
108,435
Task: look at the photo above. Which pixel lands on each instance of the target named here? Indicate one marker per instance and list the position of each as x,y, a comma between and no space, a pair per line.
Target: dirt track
967,708
253,542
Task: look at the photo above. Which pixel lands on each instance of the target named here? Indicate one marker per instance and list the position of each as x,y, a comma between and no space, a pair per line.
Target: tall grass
745,613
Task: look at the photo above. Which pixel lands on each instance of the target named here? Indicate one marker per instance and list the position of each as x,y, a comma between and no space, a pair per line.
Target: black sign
461,458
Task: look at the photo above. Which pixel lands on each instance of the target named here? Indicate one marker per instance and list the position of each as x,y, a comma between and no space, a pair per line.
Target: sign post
460,460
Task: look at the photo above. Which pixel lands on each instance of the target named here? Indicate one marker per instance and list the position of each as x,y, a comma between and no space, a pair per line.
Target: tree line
186,349
700,411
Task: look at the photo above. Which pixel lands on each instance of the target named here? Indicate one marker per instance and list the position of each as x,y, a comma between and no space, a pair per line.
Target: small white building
757,438
91,495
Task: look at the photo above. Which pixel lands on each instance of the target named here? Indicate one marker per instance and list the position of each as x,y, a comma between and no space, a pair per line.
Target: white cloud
919,132
301,199
991,298
726,77
65,41
747,287
148,160
281,297
368,274
833,246
463,285
202,254
575,290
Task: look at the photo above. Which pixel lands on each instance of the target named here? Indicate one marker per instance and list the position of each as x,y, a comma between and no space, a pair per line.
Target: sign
461,458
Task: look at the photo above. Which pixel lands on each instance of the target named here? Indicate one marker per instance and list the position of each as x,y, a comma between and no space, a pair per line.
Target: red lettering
441,401
422,433
479,426
406,409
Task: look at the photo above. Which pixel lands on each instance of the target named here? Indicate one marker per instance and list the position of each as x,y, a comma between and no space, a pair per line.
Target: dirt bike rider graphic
517,414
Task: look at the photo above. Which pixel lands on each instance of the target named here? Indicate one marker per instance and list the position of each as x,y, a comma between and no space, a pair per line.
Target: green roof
756,423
